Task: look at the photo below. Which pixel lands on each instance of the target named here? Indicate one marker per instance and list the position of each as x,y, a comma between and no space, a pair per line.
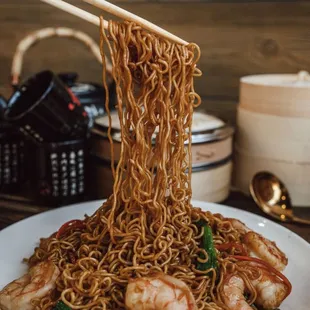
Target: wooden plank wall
236,39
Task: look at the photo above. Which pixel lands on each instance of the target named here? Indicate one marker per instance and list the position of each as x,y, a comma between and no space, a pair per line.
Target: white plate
19,240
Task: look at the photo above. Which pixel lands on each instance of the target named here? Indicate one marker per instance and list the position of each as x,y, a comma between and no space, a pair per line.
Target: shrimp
233,290
37,283
258,246
271,291
160,292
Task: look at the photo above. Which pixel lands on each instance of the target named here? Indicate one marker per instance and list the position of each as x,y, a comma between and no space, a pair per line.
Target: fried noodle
148,223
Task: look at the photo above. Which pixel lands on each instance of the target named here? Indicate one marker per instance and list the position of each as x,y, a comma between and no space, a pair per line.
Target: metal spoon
271,195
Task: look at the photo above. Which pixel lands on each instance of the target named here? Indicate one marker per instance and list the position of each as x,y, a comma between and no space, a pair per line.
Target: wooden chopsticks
119,12
69,8
115,10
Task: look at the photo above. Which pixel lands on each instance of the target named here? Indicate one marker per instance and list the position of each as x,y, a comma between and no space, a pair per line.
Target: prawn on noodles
147,233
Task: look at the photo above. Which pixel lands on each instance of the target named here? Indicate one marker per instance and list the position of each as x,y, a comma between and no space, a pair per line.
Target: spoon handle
300,220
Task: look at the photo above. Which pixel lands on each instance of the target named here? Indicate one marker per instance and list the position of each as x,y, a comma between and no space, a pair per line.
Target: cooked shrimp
258,246
271,291
37,283
160,292
265,249
233,294
239,226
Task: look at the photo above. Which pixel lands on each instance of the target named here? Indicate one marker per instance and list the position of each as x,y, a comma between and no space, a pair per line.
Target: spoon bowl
273,198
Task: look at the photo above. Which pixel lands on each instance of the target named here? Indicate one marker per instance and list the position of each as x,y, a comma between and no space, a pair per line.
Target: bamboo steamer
211,156
273,126
212,185
274,137
294,175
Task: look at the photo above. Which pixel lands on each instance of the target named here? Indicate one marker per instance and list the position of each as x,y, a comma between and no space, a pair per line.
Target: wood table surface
13,210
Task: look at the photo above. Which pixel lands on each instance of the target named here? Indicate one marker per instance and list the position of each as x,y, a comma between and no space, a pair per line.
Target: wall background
236,38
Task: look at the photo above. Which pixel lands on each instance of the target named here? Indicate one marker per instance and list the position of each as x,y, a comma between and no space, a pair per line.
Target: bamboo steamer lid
211,138
277,94
201,122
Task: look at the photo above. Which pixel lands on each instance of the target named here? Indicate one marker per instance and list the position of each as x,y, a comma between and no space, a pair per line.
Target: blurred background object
45,126
273,198
211,157
273,125
13,152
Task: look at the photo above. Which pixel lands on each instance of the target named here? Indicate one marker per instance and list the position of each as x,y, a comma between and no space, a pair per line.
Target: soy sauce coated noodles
148,224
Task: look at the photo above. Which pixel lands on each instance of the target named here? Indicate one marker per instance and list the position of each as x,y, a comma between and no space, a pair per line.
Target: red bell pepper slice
73,224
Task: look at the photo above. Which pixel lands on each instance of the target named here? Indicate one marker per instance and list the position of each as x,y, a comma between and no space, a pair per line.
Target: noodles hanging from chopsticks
148,224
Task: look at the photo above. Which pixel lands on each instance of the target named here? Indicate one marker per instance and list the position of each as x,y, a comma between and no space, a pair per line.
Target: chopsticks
69,8
119,12
115,10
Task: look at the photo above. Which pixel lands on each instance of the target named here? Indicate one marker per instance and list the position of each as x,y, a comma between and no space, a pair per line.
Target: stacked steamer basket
211,157
273,120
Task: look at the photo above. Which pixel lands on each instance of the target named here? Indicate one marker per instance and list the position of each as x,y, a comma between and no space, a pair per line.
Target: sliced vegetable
74,224
61,306
208,245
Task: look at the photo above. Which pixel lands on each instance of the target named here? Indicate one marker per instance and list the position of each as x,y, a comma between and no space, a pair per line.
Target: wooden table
12,211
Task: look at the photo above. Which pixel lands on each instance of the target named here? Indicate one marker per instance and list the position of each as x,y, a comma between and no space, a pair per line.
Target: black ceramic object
45,110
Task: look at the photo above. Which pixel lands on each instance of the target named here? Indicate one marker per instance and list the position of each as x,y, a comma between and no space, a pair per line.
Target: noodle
148,224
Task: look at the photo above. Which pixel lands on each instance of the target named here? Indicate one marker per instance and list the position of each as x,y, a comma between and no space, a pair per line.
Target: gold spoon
271,195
